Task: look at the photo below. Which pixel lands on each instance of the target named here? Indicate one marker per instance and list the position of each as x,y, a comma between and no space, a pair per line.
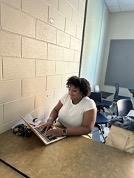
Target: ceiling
120,5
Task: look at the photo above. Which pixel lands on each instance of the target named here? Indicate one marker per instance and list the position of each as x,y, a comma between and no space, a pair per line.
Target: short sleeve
90,104
64,98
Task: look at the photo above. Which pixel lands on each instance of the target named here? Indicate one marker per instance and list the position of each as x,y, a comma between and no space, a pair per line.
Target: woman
75,111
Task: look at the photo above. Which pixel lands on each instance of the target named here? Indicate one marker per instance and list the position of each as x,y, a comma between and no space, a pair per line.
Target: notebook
35,124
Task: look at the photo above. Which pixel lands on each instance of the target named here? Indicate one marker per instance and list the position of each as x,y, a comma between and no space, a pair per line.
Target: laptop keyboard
42,132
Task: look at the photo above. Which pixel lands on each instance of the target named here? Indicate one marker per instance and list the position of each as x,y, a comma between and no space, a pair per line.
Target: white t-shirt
71,115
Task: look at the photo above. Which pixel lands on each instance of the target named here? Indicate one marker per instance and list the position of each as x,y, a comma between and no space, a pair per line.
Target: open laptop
35,126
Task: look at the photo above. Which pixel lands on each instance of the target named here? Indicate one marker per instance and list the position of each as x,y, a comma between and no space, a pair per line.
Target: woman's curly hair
81,83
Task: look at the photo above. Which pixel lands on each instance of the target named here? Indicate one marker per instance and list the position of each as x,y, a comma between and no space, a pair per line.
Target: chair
113,107
112,104
106,94
124,106
116,92
101,119
96,96
100,103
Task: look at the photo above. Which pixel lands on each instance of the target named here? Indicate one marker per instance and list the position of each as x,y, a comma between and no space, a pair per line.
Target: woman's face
74,93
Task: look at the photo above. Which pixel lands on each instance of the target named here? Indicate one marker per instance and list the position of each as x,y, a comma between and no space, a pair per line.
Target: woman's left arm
89,118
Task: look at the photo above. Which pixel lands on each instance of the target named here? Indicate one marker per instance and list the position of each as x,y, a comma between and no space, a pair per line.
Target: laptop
35,126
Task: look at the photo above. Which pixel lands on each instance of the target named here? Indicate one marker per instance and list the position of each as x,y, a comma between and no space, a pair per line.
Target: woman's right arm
54,113
52,117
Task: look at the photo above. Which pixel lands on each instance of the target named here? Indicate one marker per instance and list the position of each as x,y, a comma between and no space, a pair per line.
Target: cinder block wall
40,43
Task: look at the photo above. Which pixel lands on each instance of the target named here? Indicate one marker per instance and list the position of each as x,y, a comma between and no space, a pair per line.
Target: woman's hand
55,132
47,126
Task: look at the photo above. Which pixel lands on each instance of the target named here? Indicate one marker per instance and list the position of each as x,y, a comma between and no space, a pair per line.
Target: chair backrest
124,106
96,96
116,92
